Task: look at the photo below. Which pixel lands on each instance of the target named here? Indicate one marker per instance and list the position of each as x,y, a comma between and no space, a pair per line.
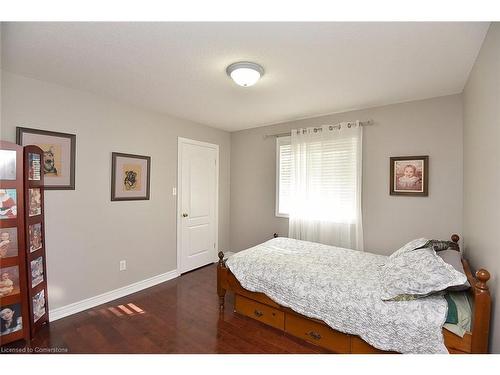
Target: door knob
184,215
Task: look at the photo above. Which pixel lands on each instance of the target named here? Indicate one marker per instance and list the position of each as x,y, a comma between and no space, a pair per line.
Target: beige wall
87,234
429,127
482,168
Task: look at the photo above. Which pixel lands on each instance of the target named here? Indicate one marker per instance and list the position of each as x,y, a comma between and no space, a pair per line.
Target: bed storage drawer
317,333
263,313
359,346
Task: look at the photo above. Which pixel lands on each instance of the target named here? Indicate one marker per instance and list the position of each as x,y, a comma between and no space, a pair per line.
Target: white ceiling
311,68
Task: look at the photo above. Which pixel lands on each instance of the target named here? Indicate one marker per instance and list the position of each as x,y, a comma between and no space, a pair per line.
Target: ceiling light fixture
245,73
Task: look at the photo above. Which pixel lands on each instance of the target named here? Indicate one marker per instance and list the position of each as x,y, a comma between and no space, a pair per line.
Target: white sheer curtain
325,202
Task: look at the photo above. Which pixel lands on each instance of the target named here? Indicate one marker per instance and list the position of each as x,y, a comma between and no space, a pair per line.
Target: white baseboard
88,303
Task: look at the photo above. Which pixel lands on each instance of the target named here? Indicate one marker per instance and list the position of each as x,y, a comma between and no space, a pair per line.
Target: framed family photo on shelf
59,154
34,202
130,177
7,165
11,319
38,305
34,167
37,268
8,242
8,204
35,237
409,175
9,281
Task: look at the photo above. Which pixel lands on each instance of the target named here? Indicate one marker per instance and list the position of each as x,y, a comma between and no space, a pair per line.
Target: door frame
180,142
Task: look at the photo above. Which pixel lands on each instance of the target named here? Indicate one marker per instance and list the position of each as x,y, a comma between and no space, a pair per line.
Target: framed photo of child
409,176
9,281
8,204
34,202
10,319
35,237
8,242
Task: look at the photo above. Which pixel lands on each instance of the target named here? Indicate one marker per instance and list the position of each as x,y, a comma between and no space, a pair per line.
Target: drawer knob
314,335
258,313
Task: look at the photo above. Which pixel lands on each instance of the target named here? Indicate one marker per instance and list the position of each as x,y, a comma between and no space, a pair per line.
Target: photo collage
10,307
18,258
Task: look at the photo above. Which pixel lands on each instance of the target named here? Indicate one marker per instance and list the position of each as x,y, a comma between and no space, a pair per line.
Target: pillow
410,246
464,313
454,258
415,274
452,316
439,245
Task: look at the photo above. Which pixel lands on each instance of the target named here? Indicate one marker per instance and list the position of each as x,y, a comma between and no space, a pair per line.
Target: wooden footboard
260,307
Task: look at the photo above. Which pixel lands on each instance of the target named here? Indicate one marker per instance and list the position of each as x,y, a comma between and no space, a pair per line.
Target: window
283,175
328,178
318,184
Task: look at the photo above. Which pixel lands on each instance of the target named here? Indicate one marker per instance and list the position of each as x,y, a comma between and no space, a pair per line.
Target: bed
345,319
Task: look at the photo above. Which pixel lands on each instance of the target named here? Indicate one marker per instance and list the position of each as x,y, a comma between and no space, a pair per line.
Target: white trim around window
283,161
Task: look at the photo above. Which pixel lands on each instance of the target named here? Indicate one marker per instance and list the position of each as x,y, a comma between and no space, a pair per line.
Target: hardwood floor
178,316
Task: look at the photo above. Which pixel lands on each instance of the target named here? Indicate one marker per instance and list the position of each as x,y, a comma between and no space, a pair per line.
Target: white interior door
197,204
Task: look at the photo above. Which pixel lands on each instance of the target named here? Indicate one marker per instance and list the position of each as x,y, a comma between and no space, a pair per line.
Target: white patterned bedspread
342,288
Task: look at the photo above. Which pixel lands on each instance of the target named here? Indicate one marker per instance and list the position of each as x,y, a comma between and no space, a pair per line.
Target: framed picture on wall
130,177
409,175
59,155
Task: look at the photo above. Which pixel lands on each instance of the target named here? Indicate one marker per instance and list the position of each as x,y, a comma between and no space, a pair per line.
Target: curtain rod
277,135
